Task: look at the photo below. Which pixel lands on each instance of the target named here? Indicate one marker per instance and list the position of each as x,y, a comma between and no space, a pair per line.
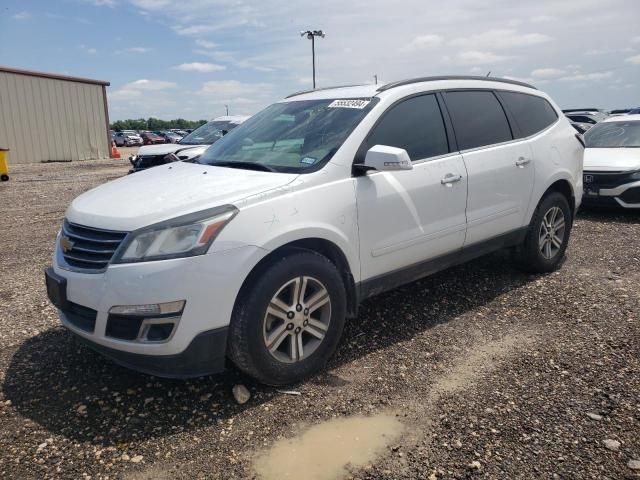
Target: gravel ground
492,373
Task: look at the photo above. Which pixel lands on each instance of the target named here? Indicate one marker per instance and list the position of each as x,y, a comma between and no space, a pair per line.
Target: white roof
437,83
623,118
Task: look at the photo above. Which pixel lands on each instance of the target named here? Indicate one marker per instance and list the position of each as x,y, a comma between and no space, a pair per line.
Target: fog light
149,310
159,332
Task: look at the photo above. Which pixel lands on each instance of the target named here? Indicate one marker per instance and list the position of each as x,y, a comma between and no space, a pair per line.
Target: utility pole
311,35
375,77
227,107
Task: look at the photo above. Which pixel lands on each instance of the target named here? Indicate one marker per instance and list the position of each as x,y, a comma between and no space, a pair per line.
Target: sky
190,58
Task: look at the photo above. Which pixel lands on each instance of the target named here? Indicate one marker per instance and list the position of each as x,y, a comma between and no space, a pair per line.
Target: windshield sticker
308,160
350,103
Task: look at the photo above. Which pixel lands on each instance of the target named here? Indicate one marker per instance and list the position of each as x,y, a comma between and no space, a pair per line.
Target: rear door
500,169
406,217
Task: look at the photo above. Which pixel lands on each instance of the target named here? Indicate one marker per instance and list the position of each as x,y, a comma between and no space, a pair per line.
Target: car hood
611,159
165,148
166,192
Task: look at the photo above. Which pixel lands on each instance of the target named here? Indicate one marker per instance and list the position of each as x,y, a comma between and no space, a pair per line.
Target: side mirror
387,159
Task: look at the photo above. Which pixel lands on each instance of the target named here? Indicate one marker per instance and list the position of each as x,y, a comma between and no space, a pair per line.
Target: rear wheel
288,321
548,235
4,177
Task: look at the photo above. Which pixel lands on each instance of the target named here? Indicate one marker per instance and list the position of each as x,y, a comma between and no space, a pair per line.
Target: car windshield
290,136
614,135
207,133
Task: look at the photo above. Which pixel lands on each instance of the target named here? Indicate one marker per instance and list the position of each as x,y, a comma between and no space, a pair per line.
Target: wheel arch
321,246
561,184
564,187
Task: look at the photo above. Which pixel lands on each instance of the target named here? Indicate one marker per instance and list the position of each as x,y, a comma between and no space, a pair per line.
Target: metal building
46,117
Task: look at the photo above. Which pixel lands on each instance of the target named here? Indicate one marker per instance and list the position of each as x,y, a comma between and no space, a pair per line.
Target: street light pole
311,35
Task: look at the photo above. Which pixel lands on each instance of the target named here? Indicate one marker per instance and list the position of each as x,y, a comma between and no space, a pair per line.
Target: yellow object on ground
4,164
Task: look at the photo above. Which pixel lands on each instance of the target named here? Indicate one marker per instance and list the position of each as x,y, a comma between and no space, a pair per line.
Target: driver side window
414,124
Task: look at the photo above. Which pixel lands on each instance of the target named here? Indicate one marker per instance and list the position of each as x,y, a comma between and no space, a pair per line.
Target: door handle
521,162
450,178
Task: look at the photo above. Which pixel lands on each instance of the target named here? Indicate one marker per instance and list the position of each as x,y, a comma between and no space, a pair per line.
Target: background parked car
612,162
581,127
150,138
170,137
586,116
127,138
188,148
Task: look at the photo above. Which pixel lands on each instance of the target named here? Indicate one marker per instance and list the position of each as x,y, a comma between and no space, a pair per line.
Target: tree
152,124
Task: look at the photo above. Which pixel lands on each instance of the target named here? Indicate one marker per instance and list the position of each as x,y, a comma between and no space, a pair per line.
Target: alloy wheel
297,319
552,232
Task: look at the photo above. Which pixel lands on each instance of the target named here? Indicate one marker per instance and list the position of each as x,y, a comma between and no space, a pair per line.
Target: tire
4,177
543,250
265,313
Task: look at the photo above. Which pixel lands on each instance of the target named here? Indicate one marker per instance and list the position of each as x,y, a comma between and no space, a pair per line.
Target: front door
407,217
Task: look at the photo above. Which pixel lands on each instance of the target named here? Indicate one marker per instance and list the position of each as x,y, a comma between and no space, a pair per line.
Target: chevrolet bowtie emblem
66,244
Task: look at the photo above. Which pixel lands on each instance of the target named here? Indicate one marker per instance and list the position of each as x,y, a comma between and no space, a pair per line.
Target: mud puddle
325,451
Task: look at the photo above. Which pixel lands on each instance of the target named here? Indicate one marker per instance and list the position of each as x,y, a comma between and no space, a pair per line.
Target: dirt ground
479,371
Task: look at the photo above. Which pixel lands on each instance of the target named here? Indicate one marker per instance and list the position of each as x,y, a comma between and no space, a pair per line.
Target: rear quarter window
532,114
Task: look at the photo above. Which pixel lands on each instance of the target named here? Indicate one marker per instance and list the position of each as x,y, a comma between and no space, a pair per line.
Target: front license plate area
56,288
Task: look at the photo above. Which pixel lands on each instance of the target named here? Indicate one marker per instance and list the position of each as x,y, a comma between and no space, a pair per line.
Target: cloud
86,49
139,87
423,42
474,57
139,50
206,44
23,15
636,39
502,39
102,3
200,67
543,19
635,60
587,77
547,73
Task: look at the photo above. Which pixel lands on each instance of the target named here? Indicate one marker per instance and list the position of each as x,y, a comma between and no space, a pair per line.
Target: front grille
81,317
89,248
148,161
606,180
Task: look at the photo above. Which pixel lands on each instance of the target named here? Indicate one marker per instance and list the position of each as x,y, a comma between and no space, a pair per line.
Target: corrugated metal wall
44,119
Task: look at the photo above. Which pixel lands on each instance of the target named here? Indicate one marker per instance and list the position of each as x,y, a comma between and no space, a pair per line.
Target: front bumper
209,285
616,189
205,355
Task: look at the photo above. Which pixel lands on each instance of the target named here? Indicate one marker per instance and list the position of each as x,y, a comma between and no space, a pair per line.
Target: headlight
184,236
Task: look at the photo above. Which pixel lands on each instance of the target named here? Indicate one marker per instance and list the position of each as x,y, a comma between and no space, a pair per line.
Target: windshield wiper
244,165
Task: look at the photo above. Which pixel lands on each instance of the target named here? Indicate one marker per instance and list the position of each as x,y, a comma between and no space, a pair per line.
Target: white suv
260,251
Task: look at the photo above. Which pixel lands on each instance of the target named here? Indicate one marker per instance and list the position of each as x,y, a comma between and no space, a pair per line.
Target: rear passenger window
531,113
414,124
478,119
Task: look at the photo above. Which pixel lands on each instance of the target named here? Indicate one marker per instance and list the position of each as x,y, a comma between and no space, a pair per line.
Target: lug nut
305,323
290,315
290,326
299,307
298,330
306,311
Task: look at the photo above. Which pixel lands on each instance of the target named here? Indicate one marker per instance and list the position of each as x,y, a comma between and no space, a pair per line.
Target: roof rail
409,81
302,92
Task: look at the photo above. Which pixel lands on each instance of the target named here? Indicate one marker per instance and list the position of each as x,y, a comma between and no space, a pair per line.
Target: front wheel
288,320
548,235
